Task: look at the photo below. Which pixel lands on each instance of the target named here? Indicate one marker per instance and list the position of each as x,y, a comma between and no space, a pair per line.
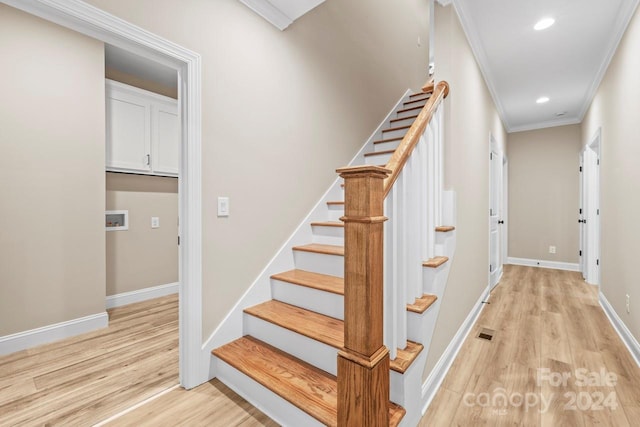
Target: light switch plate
223,206
155,222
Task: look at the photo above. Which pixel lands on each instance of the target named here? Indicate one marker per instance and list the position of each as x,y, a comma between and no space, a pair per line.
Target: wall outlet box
155,222
552,249
628,307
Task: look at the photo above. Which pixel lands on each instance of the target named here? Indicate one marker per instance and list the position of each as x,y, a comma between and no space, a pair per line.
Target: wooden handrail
410,140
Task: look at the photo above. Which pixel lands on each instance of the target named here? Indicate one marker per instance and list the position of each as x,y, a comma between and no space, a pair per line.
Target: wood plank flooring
84,380
547,323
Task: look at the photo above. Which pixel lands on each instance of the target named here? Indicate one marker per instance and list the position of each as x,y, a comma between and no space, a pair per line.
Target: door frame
590,195
100,25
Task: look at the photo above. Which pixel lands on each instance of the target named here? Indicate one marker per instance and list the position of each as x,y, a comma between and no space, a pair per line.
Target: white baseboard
625,334
58,331
435,378
568,266
140,295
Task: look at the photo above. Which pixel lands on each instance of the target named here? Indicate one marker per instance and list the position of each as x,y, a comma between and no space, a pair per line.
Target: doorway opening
95,23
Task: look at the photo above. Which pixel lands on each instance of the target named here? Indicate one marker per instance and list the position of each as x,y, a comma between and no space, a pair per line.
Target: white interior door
495,215
581,218
590,220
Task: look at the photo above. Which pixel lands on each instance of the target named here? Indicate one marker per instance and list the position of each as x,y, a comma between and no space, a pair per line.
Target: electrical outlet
628,308
552,249
155,222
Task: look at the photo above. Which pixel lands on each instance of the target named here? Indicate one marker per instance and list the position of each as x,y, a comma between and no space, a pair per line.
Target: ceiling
140,67
565,62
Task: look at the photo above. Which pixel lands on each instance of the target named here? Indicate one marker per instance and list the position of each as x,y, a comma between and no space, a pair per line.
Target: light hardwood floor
84,380
547,323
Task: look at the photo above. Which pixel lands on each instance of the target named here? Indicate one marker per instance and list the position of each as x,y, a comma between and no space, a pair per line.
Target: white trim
625,14
435,378
568,266
140,295
269,12
58,331
625,334
93,22
546,124
136,406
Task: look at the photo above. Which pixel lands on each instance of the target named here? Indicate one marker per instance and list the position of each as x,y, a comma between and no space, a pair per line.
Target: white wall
281,111
616,109
52,185
544,193
471,117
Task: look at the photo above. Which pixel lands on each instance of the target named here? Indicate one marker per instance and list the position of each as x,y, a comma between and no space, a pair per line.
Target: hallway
554,360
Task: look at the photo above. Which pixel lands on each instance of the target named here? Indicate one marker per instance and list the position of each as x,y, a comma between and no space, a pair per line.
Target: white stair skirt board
543,264
140,295
625,334
435,378
314,352
277,408
322,302
58,331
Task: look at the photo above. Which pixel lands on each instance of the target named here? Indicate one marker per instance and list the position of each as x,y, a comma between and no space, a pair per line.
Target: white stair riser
434,279
335,212
311,351
333,265
420,326
279,409
328,235
386,134
405,122
384,146
445,242
378,159
408,113
326,303
406,390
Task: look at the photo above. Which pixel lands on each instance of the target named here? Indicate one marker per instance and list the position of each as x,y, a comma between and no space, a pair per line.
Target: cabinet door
166,139
128,132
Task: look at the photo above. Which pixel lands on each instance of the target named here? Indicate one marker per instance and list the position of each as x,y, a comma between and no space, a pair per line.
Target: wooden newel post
363,363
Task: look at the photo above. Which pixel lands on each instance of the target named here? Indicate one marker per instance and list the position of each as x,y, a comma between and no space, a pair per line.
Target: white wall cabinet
143,131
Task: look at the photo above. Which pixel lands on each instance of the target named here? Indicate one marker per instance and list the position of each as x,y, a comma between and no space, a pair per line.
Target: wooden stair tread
404,118
435,261
396,128
445,228
375,153
303,385
380,141
321,249
313,325
415,101
404,110
335,203
415,95
406,356
422,304
325,329
312,280
312,390
328,223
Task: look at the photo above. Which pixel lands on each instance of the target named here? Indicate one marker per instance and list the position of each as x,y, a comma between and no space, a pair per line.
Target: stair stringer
407,388
231,327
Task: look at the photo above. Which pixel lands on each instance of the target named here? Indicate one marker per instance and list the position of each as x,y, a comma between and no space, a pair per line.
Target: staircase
286,361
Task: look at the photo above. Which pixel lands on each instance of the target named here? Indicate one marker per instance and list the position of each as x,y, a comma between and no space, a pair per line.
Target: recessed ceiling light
542,100
543,24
